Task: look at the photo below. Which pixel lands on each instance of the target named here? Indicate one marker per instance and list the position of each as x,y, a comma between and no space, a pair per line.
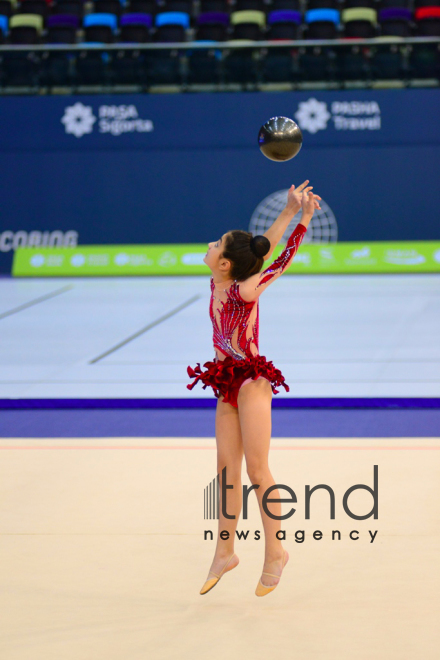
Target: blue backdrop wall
186,167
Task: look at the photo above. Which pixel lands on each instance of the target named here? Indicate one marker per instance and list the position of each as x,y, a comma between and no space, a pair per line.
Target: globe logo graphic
322,228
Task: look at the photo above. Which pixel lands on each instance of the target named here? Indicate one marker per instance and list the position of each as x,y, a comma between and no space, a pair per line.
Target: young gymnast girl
243,380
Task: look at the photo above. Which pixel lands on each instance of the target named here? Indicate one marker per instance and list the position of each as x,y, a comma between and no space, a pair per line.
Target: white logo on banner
78,260
313,115
37,260
78,119
362,253
10,240
193,259
167,258
404,257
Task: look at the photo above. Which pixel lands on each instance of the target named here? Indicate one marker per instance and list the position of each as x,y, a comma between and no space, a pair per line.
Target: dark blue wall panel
199,171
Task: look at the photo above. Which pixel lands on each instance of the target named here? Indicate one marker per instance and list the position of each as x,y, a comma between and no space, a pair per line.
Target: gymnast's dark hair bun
245,252
260,245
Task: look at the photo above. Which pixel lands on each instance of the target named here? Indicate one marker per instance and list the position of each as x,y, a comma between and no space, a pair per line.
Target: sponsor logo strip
187,259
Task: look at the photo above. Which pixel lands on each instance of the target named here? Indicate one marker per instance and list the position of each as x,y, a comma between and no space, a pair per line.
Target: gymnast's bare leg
229,454
254,406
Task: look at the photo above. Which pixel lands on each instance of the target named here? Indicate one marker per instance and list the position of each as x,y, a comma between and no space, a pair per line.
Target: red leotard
235,333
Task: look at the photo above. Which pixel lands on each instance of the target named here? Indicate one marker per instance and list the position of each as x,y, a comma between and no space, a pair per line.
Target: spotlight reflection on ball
280,139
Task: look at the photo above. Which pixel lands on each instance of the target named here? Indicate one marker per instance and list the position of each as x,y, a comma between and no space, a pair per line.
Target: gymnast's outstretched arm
277,229
252,288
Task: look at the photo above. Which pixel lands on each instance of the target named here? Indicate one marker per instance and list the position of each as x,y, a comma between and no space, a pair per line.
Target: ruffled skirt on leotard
226,376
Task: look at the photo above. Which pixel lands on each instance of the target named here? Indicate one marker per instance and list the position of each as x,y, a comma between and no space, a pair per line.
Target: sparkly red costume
235,334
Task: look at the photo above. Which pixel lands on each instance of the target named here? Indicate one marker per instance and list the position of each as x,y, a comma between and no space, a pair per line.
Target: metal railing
384,61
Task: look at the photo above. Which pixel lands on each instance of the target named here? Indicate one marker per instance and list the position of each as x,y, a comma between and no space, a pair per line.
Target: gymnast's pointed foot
270,582
218,568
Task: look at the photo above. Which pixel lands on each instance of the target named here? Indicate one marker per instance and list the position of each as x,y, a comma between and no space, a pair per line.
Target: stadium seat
322,23
241,65
363,4
315,65
278,66
7,7
384,4
322,4
170,34
3,28
248,16
247,25
221,6
130,66
25,28
353,63
135,28
212,26
204,66
173,18
424,61
181,6
92,67
387,61
427,12
61,29
213,18
292,5
142,7
428,21
359,22
164,67
395,21
250,5
57,69
107,7
73,7
100,28
284,24
21,69
210,32
171,27
38,7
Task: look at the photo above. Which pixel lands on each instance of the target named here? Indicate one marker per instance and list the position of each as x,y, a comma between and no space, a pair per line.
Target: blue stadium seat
322,23
100,28
61,29
322,15
283,24
3,28
135,28
173,18
109,20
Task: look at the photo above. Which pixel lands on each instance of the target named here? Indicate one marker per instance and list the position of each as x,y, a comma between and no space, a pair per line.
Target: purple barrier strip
336,402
